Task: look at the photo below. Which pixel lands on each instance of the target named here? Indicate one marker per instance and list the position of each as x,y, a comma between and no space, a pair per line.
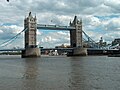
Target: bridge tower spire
30,24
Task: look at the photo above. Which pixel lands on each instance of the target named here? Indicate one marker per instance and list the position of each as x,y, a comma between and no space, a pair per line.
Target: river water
60,73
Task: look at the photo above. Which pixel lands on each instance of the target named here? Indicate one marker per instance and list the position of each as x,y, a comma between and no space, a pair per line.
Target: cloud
100,17
53,38
1,31
113,24
10,31
114,5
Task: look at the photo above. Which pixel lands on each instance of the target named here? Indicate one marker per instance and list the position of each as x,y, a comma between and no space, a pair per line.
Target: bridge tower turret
76,35
31,50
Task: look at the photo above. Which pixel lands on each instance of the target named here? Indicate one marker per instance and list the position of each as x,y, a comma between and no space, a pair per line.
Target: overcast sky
101,18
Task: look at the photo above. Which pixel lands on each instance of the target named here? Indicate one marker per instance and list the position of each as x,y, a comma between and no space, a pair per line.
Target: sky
101,18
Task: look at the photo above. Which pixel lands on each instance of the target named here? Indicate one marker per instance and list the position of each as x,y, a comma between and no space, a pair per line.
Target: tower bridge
75,28
31,26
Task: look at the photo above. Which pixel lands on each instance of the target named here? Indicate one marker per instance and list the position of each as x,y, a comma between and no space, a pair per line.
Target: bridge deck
41,49
12,49
58,49
54,27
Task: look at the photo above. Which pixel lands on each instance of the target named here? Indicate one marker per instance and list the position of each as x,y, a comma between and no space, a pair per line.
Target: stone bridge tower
30,34
76,38
76,35
31,50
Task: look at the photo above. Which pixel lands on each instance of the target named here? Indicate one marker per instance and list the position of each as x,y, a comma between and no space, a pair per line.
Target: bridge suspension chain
94,44
7,42
88,37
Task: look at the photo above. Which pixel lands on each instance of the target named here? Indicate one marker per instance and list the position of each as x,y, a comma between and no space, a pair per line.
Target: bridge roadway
66,49
42,49
54,27
90,51
11,49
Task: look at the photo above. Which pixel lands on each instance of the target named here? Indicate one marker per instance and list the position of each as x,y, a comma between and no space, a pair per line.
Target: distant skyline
101,18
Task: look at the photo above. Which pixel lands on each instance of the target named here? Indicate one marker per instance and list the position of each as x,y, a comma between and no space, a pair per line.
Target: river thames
60,73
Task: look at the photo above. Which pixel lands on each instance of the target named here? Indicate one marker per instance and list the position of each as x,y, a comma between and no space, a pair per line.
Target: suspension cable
94,44
89,37
5,43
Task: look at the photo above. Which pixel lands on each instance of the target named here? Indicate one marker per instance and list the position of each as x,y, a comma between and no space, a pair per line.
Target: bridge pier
79,51
31,49
31,52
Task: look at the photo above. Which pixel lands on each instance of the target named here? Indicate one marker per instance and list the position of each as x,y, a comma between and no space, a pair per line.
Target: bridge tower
76,35
76,38
31,49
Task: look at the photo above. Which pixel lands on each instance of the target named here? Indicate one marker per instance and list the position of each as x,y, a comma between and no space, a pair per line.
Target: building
63,46
116,41
101,43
